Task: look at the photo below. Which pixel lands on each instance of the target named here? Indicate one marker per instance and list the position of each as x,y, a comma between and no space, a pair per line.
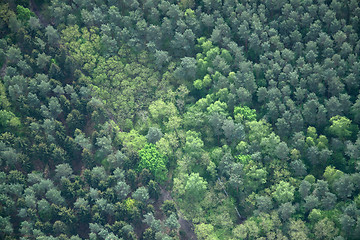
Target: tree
344,187
244,113
248,230
82,208
154,135
328,201
54,107
205,231
264,203
149,234
187,69
286,210
145,176
13,55
161,111
10,157
104,143
185,4
161,58
26,228
117,159
298,230
122,190
194,144
42,60
52,35
63,170
8,119
151,159
195,188
34,23
347,223
340,127
355,110
44,210
98,174
283,192
23,13
298,168
333,107
6,227
154,189
59,227
172,222
183,43
141,194
311,202
234,132
14,24
150,220
54,196
282,151
216,121
169,207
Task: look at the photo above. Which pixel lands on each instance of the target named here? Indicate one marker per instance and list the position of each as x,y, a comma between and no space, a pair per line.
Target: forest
179,119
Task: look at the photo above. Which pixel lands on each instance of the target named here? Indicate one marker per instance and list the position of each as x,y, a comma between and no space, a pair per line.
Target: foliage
151,159
242,115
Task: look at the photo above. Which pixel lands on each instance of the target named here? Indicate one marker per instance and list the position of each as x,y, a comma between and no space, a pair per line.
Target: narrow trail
34,8
3,69
185,226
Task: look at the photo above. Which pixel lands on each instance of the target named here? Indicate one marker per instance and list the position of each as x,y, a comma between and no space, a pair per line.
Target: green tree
195,188
63,170
244,113
340,127
8,119
42,60
52,35
154,135
6,227
325,229
172,222
205,232
122,190
13,55
298,230
23,13
141,194
283,192
151,159
44,210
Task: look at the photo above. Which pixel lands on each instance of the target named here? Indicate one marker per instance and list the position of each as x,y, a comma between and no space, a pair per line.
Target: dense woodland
179,119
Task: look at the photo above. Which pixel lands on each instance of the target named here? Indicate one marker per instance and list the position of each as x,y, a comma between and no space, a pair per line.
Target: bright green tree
151,159
284,192
340,126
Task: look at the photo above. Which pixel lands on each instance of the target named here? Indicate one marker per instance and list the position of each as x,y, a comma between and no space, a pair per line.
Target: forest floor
186,227
3,69
34,8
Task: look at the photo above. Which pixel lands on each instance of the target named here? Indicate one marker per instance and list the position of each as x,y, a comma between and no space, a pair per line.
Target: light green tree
340,127
283,192
151,159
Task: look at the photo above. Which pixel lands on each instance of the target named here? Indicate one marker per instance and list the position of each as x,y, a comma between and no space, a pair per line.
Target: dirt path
35,9
3,69
188,229
185,226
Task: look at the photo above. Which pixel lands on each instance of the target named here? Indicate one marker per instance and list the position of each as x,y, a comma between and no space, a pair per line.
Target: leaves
151,159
